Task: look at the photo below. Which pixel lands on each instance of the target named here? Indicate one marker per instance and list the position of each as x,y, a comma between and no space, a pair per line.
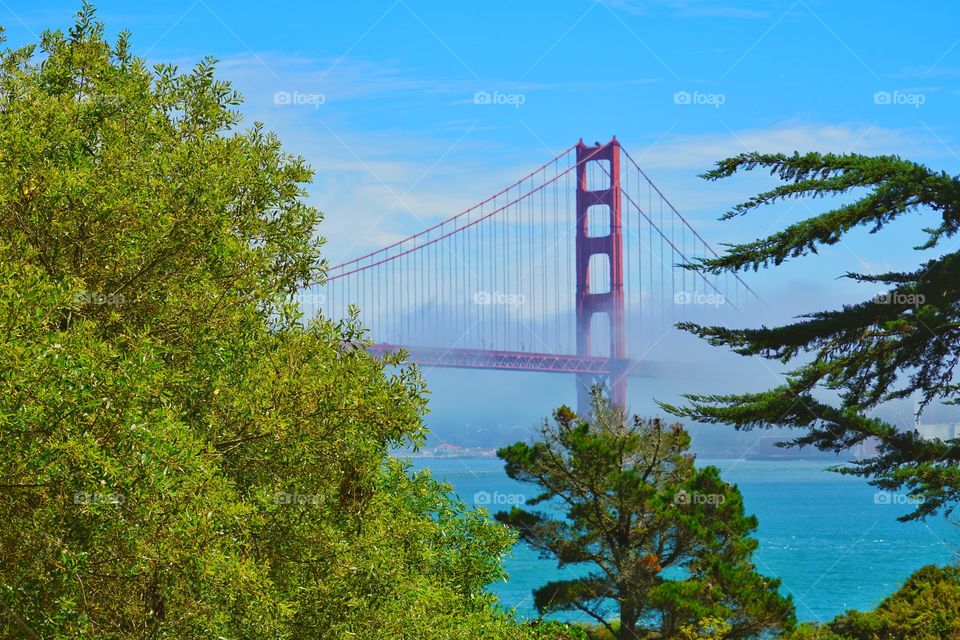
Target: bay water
833,540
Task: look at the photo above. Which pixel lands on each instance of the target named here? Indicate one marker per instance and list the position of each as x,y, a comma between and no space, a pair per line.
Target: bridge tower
591,204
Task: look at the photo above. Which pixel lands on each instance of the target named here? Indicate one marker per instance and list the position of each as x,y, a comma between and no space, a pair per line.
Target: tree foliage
661,543
901,344
182,455
924,608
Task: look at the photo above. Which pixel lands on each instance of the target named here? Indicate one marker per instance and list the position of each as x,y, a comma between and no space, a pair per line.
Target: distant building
938,430
447,449
942,421
866,449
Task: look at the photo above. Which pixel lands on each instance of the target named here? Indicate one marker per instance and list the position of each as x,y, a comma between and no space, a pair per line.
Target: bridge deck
528,361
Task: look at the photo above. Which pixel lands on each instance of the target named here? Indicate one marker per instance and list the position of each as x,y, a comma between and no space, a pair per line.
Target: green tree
924,608
662,543
182,455
901,344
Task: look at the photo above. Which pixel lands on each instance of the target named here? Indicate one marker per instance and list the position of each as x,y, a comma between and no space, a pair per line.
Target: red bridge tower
591,204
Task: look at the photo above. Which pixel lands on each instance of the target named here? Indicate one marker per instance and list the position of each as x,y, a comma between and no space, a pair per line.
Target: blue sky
380,97
386,89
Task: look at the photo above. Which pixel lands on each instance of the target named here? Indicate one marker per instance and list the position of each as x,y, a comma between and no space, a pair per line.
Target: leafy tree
181,454
904,343
924,608
708,629
662,542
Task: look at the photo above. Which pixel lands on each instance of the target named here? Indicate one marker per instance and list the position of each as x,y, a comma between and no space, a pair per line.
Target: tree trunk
628,622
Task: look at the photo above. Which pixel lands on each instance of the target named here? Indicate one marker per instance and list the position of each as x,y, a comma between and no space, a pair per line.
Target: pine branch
897,187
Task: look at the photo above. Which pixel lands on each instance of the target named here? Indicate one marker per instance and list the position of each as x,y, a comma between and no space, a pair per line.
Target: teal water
833,540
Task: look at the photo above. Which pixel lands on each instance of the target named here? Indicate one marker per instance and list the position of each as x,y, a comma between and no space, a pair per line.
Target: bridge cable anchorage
561,271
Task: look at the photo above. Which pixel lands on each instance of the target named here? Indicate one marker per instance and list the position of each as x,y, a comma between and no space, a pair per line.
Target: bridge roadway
530,361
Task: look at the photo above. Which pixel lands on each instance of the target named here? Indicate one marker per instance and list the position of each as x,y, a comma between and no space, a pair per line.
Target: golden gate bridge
546,275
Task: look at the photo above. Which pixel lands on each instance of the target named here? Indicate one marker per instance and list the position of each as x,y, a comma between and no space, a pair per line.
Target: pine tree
902,344
663,545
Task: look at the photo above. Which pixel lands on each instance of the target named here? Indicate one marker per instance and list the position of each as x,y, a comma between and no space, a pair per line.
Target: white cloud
687,8
260,76
699,152
363,213
377,185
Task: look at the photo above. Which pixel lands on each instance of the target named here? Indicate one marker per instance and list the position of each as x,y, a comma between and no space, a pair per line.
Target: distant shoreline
712,456
434,456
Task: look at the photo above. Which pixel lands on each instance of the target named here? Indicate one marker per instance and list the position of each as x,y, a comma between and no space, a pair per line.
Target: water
833,540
